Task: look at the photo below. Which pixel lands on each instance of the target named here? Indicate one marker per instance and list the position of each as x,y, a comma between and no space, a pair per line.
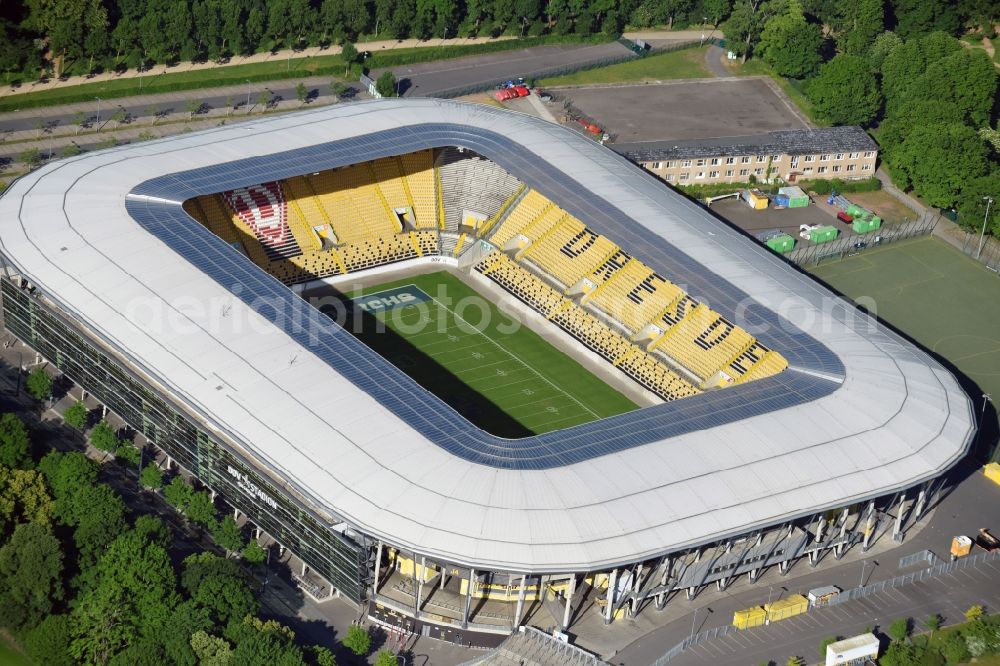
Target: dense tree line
82,581
898,69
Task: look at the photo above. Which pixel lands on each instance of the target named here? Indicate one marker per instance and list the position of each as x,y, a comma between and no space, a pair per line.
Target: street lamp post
248,97
693,618
864,563
704,20
98,113
982,235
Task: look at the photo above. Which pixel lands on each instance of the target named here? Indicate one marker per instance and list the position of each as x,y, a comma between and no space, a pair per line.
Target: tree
716,10
823,643
67,474
151,476
385,658
24,497
954,649
31,565
350,55
178,493
230,105
795,661
254,554
881,48
79,119
218,585
845,78
919,17
260,643
337,89
66,25
791,45
48,643
972,203
39,384
974,613
386,84
966,78
357,640
192,106
264,99
15,445
30,158
201,510
228,534
71,150
99,516
145,651
128,452
211,650
76,415
937,160
154,530
865,21
186,619
933,622
899,629
907,61
743,27
301,93
322,656
103,437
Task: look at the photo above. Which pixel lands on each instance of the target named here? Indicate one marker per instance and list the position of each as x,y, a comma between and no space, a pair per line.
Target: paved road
971,505
431,78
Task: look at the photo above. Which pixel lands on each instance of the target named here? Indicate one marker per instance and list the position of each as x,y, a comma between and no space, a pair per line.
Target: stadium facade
380,488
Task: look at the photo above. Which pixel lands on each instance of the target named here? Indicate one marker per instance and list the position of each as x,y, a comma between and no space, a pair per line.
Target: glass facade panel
337,558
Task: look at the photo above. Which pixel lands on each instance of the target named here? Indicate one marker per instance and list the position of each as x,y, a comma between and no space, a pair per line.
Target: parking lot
686,109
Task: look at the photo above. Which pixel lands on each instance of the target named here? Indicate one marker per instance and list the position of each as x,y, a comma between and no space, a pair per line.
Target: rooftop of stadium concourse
410,470
814,372
843,139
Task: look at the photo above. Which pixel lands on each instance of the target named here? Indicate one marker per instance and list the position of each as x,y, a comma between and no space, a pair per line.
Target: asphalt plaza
686,109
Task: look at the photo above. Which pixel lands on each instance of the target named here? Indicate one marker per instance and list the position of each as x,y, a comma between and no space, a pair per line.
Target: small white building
853,651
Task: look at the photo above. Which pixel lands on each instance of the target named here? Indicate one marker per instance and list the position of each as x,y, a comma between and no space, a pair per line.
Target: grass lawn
888,207
682,64
936,295
461,348
9,656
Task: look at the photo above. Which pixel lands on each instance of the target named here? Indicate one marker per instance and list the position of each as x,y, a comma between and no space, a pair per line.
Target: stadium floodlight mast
982,235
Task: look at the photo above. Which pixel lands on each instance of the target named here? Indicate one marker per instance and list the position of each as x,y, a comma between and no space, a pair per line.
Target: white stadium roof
859,413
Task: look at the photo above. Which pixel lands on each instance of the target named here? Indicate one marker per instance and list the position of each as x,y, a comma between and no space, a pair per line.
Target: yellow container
992,472
961,546
751,617
783,609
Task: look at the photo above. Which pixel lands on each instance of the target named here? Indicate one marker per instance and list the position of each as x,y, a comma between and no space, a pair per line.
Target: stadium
282,307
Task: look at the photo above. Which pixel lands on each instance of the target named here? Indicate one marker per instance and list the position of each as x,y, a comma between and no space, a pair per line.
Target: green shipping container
854,210
796,197
864,225
781,244
823,234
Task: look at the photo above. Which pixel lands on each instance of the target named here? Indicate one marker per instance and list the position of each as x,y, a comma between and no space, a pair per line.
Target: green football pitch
501,376
941,298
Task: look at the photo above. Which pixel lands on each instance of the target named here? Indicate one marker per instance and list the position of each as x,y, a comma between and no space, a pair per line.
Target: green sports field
504,378
935,294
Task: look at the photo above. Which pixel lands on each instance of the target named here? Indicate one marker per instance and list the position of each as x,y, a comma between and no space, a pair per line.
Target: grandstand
171,279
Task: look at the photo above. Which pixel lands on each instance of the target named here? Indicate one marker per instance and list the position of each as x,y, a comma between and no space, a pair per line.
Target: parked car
544,96
844,217
521,91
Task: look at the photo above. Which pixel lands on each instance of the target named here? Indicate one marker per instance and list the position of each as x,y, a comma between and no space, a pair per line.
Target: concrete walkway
713,60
